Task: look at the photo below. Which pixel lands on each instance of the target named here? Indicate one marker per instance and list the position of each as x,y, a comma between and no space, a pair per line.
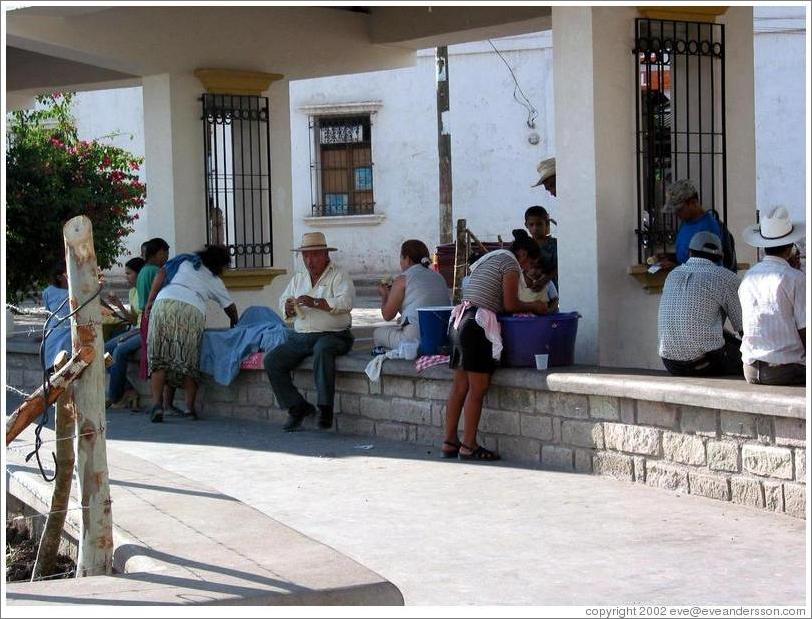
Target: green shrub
52,177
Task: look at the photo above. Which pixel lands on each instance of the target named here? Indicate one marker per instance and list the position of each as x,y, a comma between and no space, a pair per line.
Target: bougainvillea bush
51,177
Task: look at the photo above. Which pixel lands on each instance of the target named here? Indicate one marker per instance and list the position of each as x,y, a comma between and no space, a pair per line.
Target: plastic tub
523,337
434,329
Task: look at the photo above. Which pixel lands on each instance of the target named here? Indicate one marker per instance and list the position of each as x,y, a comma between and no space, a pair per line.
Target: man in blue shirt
683,201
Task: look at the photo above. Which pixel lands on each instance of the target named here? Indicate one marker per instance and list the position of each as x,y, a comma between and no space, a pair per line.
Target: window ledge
652,282
342,108
346,220
250,279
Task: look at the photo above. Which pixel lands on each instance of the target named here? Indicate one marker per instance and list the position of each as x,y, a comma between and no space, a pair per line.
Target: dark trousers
725,361
760,373
324,347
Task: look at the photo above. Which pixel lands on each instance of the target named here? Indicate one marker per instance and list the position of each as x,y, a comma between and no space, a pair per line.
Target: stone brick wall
757,460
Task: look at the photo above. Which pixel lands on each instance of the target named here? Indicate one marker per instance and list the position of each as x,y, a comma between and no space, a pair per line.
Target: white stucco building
322,61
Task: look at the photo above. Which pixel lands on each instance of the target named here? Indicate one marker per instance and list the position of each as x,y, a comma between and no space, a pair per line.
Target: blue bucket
523,337
433,323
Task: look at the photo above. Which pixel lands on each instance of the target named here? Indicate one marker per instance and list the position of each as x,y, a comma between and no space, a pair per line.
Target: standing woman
177,318
156,253
418,286
476,341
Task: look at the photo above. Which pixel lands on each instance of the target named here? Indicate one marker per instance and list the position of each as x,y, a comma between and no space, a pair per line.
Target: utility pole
444,146
96,544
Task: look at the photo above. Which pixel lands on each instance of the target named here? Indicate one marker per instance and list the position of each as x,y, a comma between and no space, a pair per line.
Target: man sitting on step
318,302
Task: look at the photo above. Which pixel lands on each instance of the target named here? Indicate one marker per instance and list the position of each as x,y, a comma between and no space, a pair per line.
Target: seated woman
418,286
121,393
177,316
535,286
476,341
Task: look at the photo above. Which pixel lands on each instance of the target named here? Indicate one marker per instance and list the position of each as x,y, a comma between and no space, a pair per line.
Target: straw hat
773,230
313,241
546,169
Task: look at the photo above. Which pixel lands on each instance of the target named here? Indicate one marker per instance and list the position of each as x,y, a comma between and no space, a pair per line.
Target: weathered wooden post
96,544
60,499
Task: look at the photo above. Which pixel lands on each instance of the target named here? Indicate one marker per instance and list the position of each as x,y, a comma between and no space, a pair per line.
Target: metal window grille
680,110
237,160
341,165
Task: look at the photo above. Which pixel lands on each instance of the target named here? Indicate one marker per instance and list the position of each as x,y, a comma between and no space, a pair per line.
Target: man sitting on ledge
697,298
319,303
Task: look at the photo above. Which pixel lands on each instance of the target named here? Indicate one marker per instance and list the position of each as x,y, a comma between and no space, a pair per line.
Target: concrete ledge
727,393
180,542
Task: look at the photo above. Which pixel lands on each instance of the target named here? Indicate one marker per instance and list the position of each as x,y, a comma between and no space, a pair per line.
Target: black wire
46,380
531,109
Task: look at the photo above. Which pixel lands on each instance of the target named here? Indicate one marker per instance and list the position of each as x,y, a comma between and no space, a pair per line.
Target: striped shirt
697,297
773,299
484,287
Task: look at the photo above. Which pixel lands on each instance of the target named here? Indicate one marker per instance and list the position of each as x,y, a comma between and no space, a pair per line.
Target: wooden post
444,146
60,498
460,260
96,544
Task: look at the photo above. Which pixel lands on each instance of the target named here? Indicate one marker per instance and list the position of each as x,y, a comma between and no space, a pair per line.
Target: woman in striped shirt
493,288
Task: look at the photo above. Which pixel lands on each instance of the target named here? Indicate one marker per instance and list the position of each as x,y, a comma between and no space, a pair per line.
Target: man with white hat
773,299
697,298
318,302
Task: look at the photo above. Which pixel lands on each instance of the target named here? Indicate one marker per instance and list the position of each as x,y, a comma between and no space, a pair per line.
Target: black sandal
479,453
451,454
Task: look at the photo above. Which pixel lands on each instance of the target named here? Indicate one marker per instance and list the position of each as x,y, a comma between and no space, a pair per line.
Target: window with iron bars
680,111
341,165
237,165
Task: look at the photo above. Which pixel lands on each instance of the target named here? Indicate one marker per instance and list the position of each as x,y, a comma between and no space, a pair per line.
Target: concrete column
596,175
173,141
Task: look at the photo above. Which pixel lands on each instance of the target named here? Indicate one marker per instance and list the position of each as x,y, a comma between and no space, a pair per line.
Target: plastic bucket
524,337
434,329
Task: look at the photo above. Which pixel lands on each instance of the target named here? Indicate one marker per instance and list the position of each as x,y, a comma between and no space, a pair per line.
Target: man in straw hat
698,297
318,302
546,170
773,299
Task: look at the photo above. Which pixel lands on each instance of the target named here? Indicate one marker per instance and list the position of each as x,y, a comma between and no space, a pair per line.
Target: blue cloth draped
171,267
222,350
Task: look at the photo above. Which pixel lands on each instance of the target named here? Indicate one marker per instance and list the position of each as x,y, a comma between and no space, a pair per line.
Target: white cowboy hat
546,169
313,241
773,230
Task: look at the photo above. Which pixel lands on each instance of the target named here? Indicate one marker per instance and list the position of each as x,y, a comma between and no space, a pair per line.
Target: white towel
373,369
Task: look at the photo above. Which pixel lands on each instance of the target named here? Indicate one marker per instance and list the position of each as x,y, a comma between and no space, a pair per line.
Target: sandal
452,453
156,414
479,453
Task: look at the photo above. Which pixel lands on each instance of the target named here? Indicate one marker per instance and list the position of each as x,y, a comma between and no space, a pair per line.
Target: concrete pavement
446,532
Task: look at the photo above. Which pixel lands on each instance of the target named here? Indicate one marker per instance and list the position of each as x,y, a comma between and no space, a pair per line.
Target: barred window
341,165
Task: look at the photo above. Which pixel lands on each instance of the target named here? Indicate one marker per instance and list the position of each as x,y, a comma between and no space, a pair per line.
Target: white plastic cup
541,361
409,350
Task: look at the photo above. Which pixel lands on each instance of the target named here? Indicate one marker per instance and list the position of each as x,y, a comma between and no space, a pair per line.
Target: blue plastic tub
434,329
524,337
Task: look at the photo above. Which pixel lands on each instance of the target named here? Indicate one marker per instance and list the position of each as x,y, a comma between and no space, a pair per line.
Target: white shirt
195,287
773,300
335,287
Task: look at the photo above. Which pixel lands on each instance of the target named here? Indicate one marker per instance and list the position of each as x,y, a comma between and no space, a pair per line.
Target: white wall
494,166
118,114
780,37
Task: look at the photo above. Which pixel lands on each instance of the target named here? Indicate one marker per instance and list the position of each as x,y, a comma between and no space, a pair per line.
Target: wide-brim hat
774,230
313,241
546,169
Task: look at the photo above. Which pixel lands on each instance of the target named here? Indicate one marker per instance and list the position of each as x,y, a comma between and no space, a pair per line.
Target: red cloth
143,372
253,361
427,361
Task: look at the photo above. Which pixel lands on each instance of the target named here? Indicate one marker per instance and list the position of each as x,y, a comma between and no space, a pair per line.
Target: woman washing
475,333
417,286
177,317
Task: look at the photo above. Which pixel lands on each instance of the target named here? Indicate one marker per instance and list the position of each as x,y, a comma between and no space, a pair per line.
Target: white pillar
173,144
596,175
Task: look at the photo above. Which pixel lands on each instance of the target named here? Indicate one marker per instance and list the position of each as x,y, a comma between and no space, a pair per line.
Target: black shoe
326,417
296,415
156,414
